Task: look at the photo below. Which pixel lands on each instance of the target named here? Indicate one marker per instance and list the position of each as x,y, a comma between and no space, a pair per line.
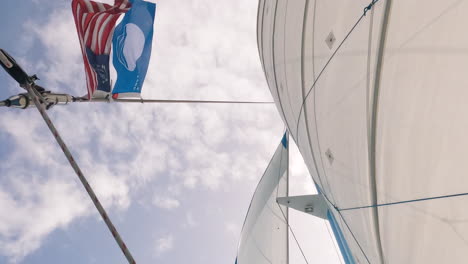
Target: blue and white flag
132,47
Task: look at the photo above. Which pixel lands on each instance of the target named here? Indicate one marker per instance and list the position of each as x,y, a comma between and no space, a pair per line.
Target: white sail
264,237
383,130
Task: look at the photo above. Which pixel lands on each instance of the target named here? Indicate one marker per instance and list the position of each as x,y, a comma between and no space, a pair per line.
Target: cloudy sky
175,179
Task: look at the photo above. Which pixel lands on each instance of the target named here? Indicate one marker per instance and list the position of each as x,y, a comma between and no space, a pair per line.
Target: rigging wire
405,201
354,237
366,9
294,236
279,206
36,97
290,227
143,101
303,74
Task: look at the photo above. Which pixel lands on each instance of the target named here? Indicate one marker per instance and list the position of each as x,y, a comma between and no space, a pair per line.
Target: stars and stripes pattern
95,23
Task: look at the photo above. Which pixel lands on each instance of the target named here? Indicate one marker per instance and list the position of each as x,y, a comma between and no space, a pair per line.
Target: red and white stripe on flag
95,23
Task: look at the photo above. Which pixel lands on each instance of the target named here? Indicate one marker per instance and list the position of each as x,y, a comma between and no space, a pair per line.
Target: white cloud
164,244
35,210
63,50
165,202
124,148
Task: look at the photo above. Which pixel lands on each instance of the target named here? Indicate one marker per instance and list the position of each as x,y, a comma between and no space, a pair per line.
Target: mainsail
264,237
374,94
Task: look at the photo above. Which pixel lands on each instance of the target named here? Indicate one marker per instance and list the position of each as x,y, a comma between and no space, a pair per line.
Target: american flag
95,23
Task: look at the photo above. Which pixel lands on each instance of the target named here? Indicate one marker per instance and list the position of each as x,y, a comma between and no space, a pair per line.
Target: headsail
264,237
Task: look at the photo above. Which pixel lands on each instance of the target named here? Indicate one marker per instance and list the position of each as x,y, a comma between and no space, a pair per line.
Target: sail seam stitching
261,55
304,26
373,125
366,9
259,36
274,64
315,109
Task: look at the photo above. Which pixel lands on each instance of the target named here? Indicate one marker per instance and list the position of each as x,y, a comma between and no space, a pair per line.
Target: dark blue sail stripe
340,239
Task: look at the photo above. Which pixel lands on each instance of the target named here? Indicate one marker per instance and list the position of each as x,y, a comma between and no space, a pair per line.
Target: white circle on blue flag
130,45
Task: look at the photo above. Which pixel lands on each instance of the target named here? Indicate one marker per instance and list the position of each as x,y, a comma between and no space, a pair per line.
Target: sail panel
288,51
423,100
426,232
283,69
266,48
341,120
341,94
421,133
260,12
264,237
288,56
332,129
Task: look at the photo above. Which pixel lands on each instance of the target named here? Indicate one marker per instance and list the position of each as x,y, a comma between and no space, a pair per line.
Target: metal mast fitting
24,100
315,205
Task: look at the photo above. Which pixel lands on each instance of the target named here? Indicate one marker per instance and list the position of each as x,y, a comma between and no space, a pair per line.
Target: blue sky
175,179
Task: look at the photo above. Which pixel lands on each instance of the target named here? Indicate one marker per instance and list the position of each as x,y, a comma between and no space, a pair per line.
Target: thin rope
279,206
354,237
406,201
36,97
315,116
344,220
334,206
347,226
366,9
294,236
